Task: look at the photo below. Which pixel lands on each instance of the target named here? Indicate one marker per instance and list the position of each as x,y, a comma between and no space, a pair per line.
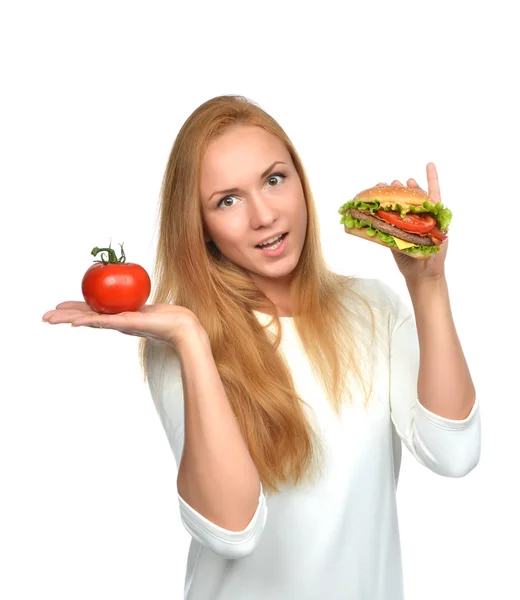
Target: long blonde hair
283,444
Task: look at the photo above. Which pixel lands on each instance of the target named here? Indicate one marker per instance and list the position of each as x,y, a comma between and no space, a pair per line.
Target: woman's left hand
415,270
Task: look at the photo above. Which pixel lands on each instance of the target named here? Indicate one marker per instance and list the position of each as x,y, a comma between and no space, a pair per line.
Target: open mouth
273,245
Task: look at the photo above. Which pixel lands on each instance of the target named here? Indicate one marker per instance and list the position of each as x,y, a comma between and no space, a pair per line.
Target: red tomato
416,223
114,286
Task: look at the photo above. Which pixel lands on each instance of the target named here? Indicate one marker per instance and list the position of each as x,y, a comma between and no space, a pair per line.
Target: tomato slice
415,223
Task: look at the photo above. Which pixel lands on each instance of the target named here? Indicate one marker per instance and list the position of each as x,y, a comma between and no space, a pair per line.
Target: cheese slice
401,244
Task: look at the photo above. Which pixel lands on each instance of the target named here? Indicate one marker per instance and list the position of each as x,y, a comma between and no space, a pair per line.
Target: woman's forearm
217,476
445,386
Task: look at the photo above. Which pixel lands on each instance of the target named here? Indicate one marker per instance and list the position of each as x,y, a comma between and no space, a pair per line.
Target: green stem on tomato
112,257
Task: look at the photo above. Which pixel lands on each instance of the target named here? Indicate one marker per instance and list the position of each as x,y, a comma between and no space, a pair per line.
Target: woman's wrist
190,334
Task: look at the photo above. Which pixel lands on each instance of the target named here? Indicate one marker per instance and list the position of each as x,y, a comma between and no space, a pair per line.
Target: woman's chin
275,271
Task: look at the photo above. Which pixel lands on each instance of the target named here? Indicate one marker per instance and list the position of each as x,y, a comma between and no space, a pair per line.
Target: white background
93,95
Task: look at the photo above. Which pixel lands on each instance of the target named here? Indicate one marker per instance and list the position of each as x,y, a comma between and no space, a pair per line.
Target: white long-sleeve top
338,538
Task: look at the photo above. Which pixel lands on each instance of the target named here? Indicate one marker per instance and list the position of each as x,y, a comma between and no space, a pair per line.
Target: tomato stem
112,258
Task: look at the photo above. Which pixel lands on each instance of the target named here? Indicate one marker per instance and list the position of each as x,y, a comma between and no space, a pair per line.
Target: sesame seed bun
390,195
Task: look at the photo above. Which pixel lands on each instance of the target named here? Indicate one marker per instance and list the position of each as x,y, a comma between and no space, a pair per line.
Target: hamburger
402,218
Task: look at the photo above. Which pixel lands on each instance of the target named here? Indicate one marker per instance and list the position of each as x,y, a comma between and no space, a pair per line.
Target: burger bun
390,195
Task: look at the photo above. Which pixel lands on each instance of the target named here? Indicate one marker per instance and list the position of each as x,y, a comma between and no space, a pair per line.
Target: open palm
164,322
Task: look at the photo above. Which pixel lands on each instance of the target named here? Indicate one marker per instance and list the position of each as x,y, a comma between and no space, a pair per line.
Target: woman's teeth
269,243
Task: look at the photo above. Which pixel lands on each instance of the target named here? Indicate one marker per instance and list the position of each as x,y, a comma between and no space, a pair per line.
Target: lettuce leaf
349,221
439,211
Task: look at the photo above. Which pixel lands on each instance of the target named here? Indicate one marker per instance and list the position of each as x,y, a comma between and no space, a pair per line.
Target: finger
116,321
381,183
55,317
60,316
434,190
74,304
412,183
397,183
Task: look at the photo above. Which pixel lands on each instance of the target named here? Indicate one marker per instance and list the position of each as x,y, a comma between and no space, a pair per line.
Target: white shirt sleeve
448,447
165,383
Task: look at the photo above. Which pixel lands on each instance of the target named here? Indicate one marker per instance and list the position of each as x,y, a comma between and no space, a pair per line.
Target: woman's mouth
276,247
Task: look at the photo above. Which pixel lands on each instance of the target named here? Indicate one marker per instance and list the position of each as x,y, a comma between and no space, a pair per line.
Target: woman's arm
444,385
447,446
217,476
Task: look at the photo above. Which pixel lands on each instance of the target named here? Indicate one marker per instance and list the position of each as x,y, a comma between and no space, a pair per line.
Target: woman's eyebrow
234,190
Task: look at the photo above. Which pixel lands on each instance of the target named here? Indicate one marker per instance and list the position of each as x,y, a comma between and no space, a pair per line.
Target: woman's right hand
164,322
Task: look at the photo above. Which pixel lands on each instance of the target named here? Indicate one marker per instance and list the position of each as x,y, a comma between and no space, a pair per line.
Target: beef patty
385,227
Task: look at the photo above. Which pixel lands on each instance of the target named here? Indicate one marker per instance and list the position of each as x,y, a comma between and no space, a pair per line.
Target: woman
285,389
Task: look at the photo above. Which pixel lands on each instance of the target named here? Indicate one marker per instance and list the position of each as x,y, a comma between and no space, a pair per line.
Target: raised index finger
434,190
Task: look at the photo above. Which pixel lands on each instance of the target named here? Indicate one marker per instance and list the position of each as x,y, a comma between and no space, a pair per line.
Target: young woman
285,389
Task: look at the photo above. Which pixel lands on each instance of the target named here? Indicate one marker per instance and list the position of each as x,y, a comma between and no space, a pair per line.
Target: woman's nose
262,212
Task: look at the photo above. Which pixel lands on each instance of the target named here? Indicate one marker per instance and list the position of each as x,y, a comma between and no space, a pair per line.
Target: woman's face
262,205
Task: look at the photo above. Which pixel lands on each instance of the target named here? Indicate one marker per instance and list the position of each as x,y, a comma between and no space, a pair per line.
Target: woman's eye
225,200
281,175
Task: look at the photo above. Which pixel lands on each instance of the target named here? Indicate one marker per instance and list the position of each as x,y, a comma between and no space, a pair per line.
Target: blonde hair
283,444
